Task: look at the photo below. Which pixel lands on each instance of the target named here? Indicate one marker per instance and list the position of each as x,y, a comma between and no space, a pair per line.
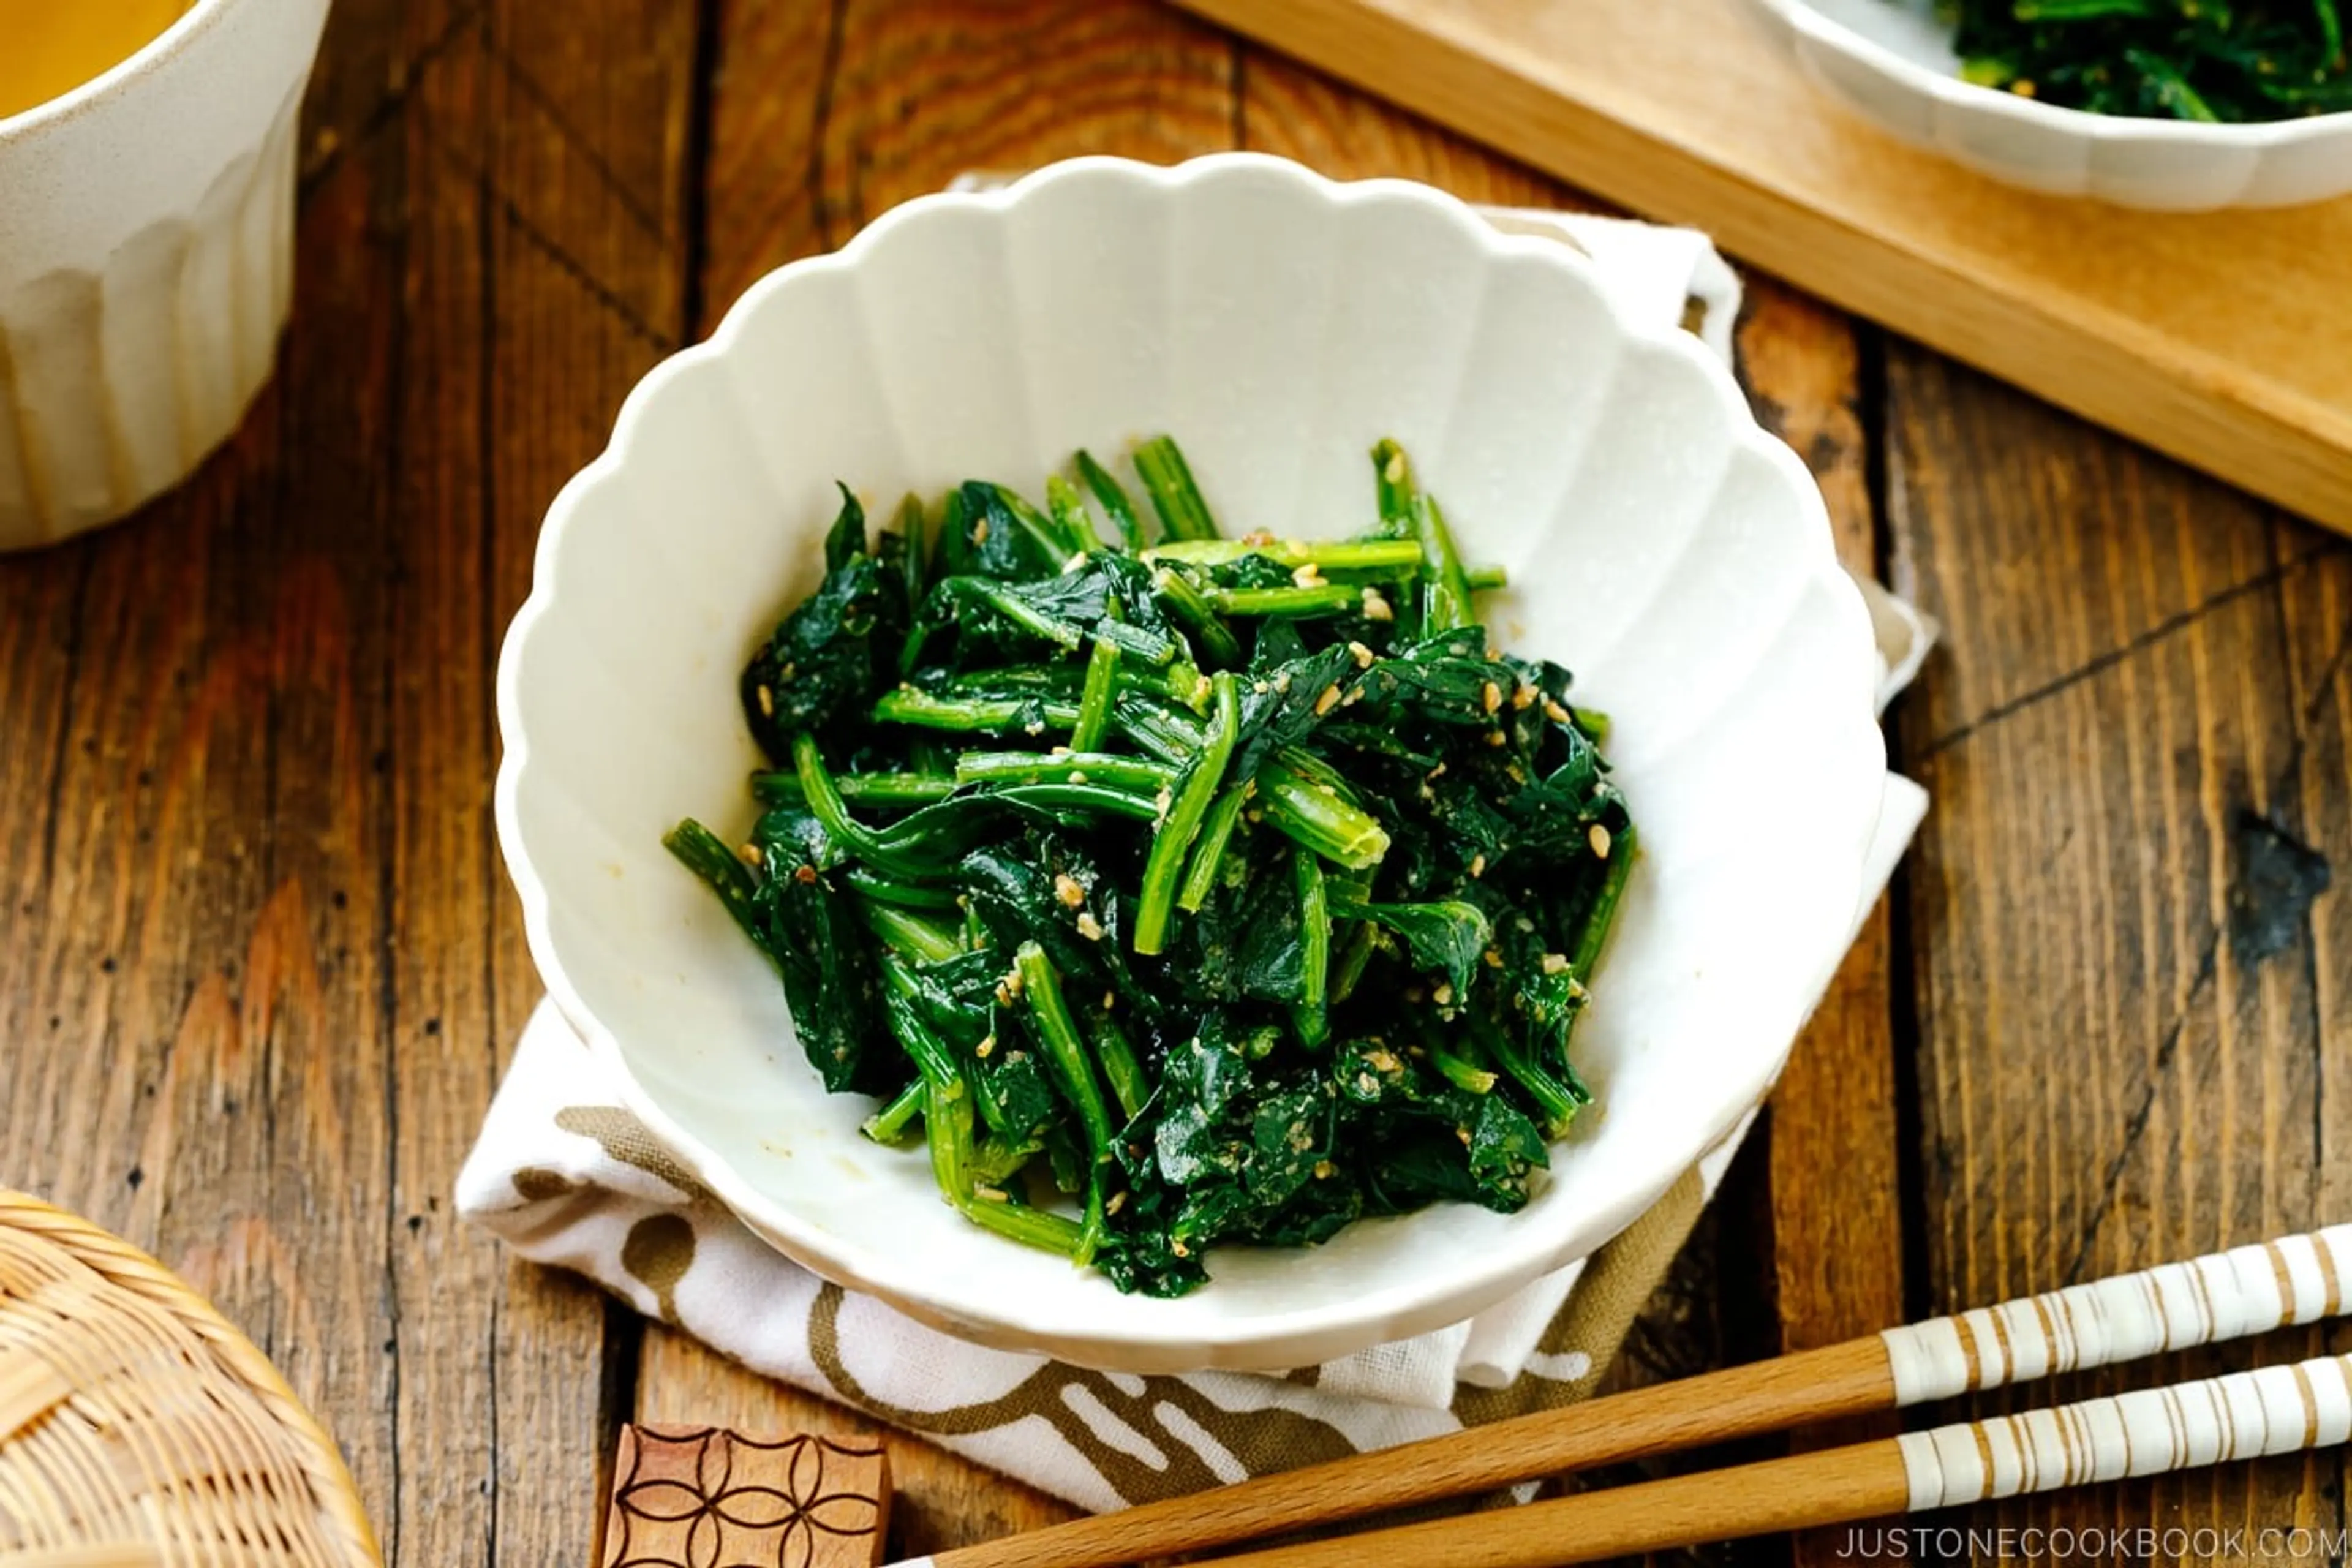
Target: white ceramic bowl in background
1661,546
1892,60
146,262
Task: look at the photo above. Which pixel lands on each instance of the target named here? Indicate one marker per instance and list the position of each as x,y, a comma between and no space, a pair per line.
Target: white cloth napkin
567,1177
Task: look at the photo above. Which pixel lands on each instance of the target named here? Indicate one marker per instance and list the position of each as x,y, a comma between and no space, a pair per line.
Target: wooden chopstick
2246,1290
2243,1415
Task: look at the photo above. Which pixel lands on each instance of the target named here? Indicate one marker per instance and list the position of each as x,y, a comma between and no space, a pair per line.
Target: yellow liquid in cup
49,47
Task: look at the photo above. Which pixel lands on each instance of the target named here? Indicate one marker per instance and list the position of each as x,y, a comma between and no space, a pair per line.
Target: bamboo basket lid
138,1430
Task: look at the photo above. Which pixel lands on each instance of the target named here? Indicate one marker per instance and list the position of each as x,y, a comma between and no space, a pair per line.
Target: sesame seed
1491,696
1554,711
991,1195
1443,995
1327,701
766,703
1493,736
1376,608
979,532
1522,695
986,1049
1362,654
1117,1202
1066,889
1493,958
1309,575
1555,964
1599,838
1089,927
1325,1170
749,855
1281,680
1477,864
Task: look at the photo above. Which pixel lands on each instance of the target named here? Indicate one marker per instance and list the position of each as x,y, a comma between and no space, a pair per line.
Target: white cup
146,263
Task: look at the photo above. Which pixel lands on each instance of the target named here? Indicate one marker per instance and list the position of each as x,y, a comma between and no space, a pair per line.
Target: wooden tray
2224,339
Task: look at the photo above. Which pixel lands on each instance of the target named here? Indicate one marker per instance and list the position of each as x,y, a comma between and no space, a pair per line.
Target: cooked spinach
1205,892
2175,59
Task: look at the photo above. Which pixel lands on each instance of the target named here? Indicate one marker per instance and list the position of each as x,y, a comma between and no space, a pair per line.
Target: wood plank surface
2212,336
260,966
2123,1058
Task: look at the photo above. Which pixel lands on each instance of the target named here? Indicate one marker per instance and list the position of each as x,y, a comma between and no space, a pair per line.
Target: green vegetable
2180,59
1214,892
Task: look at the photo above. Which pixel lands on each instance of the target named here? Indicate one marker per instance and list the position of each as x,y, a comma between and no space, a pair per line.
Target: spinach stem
1311,1015
1189,604
1120,1064
1317,818
908,934
1208,853
884,789
1003,601
1112,496
889,1125
1075,766
1094,705
1324,599
1192,803
972,715
947,1121
1183,513
1394,556
1071,518
1041,989
906,895
706,855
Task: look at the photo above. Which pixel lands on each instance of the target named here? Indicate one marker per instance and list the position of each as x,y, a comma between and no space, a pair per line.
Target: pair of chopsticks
2227,1295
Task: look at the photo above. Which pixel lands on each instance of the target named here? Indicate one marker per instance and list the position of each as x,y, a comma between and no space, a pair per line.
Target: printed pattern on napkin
568,1177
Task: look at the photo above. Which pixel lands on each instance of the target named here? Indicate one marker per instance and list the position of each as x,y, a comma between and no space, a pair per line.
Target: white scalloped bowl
1892,61
1659,543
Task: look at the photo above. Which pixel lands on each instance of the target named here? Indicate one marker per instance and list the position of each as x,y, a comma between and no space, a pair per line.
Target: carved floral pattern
712,1499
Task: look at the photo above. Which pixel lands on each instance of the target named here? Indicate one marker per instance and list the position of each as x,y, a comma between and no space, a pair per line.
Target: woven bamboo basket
138,1430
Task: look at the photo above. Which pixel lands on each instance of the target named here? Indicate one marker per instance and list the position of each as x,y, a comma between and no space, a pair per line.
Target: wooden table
261,966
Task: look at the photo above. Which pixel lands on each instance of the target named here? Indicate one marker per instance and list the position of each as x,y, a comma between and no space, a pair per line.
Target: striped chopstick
2243,1415
2227,1295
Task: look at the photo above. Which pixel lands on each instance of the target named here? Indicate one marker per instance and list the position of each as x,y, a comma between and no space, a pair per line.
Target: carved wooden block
708,1498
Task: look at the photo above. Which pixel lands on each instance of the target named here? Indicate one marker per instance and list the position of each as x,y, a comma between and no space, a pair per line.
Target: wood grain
2213,337
1859,1482
694,1494
2121,1048
1714,1407
1834,1157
